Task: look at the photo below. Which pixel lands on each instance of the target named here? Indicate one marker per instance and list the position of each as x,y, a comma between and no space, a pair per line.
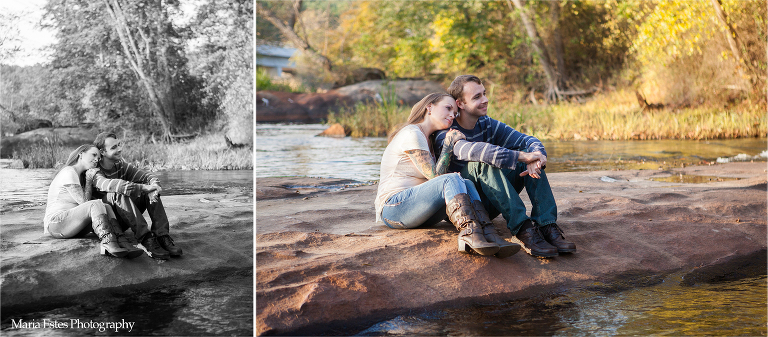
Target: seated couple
97,189
491,163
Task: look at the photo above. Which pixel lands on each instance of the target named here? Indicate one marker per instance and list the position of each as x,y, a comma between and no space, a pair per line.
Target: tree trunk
135,59
291,35
733,38
562,79
541,50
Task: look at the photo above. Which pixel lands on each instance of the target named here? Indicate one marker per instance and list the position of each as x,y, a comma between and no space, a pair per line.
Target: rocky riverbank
285,107
322,261
214,230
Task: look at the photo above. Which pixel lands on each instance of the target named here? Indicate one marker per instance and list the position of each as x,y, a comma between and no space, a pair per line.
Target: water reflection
735,307
223,306
293,150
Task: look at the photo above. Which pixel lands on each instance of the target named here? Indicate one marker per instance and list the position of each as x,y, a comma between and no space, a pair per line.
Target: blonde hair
73,157
418,112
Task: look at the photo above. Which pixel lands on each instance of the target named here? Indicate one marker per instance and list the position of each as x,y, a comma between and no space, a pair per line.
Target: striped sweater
491,142
122,178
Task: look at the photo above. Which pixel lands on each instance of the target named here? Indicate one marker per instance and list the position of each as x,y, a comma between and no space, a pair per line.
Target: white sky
35,40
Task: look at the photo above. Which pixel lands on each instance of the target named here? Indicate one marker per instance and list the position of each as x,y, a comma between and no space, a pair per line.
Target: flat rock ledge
323,261
215,232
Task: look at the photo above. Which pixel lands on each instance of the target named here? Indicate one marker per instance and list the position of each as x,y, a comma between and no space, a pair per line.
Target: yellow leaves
674,28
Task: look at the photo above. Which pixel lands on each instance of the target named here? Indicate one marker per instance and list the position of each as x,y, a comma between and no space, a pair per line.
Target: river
294,150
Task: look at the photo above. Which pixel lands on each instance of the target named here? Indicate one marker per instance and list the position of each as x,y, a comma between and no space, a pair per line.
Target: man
131,191
501,161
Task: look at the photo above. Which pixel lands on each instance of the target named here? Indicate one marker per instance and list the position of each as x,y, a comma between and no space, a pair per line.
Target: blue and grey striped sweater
491,142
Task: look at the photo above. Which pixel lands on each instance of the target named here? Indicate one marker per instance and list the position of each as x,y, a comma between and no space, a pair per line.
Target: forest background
132,68
603,69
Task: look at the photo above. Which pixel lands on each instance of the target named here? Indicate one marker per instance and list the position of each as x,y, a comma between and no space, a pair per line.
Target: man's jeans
129,214
424,204
500,192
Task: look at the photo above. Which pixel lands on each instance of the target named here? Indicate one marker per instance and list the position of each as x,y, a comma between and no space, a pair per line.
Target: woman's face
90,158
443,112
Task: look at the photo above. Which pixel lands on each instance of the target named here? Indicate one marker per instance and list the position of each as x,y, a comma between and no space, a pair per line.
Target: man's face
112,149
473,102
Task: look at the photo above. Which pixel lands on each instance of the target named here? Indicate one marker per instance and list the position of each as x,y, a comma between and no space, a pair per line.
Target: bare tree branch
291,35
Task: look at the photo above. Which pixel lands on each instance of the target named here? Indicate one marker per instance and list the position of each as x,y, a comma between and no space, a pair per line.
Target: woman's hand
90,173
453,136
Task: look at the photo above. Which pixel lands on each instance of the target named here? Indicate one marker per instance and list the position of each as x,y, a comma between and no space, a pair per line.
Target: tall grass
609,116
372,120
207,152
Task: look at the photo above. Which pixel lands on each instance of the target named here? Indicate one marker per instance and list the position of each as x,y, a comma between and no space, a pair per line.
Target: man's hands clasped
535,162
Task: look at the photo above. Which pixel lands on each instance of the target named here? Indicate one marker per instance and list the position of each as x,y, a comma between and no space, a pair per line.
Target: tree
146,45
286,28
224,58
562,74
121,63
731,37
10,43
553,91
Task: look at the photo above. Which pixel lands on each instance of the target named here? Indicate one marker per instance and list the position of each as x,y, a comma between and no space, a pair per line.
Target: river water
294,150
217,304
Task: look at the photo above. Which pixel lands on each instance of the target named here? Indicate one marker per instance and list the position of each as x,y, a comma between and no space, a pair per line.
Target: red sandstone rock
335,130
321,258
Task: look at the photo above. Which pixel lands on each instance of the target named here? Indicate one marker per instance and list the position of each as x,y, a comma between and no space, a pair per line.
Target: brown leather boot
506,248
109,245
123,240
462,215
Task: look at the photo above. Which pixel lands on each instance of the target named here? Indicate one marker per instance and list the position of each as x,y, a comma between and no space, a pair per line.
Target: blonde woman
413,189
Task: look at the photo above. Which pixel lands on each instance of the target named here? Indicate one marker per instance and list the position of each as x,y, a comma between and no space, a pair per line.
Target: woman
69,210
413,189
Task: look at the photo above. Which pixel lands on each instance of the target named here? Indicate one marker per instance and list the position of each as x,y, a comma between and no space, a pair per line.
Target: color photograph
511,168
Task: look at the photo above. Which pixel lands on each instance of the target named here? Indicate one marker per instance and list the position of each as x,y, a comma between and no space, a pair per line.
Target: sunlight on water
295,150
223,306
667,308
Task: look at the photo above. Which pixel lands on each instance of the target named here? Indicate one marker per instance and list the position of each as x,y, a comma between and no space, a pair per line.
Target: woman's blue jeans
424,204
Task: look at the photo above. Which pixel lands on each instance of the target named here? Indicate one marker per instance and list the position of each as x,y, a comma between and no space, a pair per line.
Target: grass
608,116
207,152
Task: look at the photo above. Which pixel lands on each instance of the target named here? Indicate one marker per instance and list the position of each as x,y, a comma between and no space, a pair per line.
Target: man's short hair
100,138
456,89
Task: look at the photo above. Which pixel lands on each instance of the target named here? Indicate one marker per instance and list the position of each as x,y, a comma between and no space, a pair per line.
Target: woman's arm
423,159
76,192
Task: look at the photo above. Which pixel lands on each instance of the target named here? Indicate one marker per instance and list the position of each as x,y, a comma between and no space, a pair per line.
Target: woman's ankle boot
123,241
109,245
506,248
462,214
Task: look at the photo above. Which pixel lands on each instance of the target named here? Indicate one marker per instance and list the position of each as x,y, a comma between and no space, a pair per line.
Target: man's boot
152,248
506,248
123,241
533,242
462,215
167,243
554,236
109,245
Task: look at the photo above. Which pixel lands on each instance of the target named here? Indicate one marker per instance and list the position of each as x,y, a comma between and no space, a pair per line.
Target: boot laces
166,240
555,229
537,235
